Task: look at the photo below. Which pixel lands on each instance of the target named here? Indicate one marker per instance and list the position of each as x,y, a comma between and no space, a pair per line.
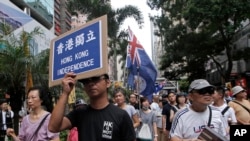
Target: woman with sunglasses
189,122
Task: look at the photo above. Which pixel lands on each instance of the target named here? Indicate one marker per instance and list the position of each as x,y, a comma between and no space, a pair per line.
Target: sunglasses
92,80
208,90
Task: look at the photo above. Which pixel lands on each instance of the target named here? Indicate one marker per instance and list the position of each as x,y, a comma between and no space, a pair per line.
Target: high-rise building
26,15
50,13
62,18
41,10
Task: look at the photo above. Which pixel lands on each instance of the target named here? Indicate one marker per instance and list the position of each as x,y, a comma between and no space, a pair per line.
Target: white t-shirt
188,124
230,113
130,110
154,106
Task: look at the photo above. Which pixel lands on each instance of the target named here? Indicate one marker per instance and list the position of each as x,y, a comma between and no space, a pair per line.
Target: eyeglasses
209,90
92,80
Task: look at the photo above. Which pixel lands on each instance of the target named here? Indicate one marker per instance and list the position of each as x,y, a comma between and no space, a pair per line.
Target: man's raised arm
58,121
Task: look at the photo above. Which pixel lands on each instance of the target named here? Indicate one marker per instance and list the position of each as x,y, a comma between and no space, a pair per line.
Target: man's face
119,98
216,96
202,96
96,86
242,94
4,106
171,97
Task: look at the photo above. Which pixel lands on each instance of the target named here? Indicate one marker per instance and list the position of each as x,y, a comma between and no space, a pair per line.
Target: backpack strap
224,110
210,116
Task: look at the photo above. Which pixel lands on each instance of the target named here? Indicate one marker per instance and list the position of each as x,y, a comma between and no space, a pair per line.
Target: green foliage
63,135
183,85
196,31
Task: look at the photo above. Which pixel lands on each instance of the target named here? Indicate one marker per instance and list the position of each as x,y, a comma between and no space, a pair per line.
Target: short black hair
121,90
220,90
164,95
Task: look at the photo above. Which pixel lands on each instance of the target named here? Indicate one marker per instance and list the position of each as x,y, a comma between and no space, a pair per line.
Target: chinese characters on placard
79,40
71,43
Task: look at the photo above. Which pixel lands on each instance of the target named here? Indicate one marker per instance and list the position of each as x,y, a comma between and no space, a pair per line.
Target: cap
199,84
236,90
80,102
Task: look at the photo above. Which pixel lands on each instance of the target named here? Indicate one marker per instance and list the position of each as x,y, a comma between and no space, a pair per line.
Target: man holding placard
100,120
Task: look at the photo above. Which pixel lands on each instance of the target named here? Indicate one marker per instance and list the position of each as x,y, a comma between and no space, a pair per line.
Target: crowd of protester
169,116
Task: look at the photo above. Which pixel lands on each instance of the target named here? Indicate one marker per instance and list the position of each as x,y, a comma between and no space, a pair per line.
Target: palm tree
15,58
97,8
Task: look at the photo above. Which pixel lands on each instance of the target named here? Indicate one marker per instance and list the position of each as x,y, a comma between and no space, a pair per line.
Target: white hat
199,84
237,89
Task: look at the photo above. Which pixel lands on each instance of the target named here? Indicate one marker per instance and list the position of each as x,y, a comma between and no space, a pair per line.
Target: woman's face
34,100
181,99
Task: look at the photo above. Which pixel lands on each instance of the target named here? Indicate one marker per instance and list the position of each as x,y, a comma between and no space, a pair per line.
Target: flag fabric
159,86
142,72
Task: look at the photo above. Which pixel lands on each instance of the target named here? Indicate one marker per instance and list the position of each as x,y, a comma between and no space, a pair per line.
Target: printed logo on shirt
198,129
107,130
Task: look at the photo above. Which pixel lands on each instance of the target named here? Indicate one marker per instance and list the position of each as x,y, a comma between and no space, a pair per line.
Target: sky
143,34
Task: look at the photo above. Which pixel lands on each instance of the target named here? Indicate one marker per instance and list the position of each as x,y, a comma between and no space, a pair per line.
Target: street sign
83,51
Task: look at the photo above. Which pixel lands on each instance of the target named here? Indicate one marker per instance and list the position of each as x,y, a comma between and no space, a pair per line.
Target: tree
14,59
214,23
97,8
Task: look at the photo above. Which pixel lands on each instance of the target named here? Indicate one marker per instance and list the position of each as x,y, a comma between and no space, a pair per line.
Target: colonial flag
159,86
142,72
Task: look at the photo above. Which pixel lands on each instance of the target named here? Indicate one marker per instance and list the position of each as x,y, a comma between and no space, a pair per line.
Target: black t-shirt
136,105
108,124
166,111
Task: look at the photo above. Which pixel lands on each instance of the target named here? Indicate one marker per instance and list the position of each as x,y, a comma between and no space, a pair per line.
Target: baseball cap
199,84
236,90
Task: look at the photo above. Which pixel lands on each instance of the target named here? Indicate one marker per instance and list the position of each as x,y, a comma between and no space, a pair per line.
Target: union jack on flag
142,72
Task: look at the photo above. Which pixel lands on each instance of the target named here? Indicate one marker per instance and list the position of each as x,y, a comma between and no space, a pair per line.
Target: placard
82,51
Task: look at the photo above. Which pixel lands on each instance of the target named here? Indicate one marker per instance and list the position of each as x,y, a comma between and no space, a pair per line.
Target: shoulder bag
39,126
242,105
144,133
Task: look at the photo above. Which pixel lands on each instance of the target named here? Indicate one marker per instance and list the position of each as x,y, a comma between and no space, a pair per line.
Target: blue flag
142,72
159,86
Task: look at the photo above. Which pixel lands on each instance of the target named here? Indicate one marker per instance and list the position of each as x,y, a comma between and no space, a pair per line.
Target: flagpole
138,87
